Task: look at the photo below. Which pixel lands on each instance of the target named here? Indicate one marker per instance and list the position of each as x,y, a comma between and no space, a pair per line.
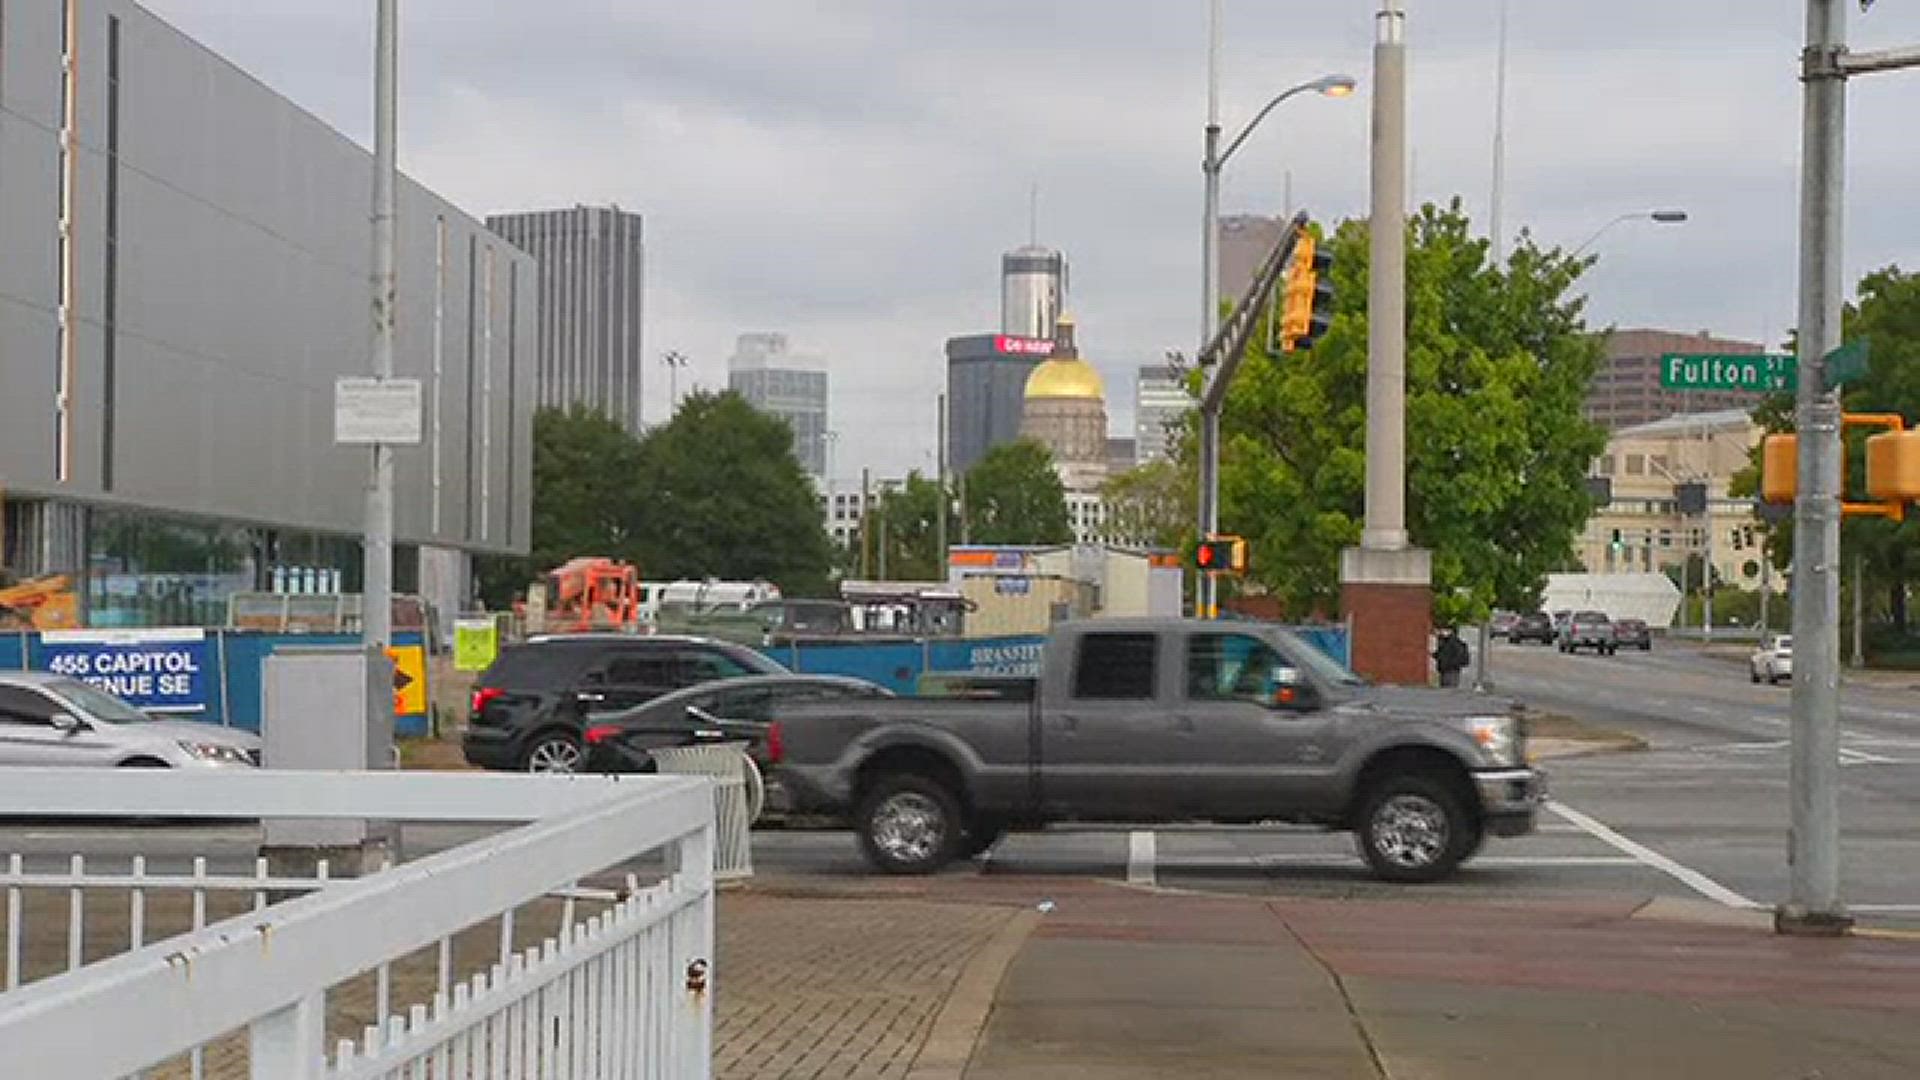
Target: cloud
850,170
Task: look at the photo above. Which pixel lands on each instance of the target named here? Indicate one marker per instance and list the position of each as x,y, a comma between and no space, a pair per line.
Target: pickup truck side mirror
1288,690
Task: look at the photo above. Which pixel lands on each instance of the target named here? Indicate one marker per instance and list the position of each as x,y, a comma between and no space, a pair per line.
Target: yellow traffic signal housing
1306,308
1893,466
1221,555
1779,468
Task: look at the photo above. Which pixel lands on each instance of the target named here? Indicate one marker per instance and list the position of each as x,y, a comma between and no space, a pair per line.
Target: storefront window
149,570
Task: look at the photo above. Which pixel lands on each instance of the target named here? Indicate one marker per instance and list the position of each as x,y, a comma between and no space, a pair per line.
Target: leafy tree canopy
1015,497
1498,364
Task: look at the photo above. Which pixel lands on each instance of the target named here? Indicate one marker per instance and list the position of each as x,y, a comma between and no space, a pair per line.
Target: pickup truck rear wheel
1413,828
910,824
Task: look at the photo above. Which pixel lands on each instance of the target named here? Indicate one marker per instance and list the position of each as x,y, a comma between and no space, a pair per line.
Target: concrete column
1386,585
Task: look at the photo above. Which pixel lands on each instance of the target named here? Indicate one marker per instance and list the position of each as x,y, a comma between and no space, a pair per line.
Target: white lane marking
1691,878
1503,861
1885,909
1140,857
1850,756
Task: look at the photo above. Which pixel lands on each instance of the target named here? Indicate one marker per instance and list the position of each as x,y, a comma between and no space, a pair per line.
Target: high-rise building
1033,291
1244,242
1160,401
790,385
986,392
1626,390
591,305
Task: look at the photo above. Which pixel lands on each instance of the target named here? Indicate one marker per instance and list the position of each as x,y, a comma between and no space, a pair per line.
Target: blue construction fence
213,675
898,665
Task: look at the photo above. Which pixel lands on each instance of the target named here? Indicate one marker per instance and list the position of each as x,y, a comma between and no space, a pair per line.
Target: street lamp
1331,85
674,362
1658,217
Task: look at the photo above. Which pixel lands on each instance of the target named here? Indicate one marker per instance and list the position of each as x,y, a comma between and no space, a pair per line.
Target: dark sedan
1632,634
730,710
1535,627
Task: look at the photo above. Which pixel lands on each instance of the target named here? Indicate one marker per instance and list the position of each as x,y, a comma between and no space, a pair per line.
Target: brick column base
1388,602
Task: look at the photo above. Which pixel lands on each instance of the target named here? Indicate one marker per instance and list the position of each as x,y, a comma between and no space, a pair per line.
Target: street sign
1759,372
1846,363
368,411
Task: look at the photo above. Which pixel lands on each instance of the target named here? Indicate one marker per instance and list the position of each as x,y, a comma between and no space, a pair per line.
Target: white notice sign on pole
368,411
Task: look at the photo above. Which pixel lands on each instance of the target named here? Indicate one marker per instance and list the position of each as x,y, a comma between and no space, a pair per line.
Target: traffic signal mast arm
1221,358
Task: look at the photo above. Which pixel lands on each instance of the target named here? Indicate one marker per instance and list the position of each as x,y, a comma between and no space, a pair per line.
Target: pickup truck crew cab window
18,706
1115,667
1231,667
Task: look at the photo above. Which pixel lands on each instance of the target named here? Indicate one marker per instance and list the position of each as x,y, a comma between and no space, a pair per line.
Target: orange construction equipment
46,603
593,593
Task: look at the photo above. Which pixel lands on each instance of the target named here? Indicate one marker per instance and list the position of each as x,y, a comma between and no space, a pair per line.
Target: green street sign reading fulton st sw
1761,372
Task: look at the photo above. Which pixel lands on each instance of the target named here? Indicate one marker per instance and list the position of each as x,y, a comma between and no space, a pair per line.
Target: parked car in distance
1170,720
1501,623
529,709
1773,660
1588,630
53,720
1535,627
1632,634
731,710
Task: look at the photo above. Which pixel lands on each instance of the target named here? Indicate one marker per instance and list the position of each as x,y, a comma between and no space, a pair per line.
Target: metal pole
1766,587
940,468
376,592
1205,585
1706,482
1494,228
1859,613
1483,677
866,524
1813,905
1386,291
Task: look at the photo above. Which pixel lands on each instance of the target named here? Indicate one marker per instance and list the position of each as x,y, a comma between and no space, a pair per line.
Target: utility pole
866,524
1859,613
376,591
940,468
1205,592
1495,232
1813,905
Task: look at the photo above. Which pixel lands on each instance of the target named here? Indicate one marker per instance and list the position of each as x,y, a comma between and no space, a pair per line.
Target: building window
1658,463
1604,466
1636,465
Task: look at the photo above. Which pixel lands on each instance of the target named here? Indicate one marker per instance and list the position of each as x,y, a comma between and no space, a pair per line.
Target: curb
963,1016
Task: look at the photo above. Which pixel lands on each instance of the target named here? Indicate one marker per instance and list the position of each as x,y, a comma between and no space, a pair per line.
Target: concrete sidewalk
968,977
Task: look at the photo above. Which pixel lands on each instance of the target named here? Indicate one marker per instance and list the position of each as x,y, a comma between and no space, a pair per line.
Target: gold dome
1066,377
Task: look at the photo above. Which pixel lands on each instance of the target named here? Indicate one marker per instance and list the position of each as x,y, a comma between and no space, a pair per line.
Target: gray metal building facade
986,392
592,269
184,273
792,386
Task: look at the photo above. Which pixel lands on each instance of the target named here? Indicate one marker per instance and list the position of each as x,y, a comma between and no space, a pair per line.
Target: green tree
1154,503
1498,364
583,499
720,494
1015,497
908,522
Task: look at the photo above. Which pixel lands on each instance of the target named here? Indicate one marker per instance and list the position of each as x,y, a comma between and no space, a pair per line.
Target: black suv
530,707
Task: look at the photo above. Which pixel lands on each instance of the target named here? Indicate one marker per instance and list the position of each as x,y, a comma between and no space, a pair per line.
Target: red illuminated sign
1022,346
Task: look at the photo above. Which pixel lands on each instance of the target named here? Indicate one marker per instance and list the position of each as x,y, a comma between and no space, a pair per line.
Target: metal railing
542,951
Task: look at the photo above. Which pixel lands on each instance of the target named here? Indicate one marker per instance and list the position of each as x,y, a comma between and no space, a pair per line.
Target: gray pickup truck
1168,720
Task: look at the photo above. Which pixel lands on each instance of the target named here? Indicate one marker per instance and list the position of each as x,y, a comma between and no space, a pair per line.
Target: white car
1773,661
50,720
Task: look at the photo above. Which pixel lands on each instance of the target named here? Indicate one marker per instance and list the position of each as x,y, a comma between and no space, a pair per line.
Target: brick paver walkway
834,988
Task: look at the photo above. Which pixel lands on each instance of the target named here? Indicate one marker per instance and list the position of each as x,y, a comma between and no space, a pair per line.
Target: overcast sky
849,171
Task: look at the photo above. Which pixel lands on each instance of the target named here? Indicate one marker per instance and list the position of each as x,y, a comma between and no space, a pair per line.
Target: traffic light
1307,307
1893,467
1221,555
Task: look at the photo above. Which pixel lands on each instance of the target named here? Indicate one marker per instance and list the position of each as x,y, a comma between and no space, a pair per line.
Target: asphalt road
1700,815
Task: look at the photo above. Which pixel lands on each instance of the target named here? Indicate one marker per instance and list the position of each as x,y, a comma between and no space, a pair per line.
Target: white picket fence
621,987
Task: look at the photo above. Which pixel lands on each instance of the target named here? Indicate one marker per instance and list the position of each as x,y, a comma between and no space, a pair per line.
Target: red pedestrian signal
1221,555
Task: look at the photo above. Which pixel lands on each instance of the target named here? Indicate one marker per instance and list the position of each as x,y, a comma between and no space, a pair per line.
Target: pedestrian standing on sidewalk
1451,656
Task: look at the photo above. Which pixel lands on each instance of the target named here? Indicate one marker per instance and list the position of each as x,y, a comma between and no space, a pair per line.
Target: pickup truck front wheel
910,824
1413,828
